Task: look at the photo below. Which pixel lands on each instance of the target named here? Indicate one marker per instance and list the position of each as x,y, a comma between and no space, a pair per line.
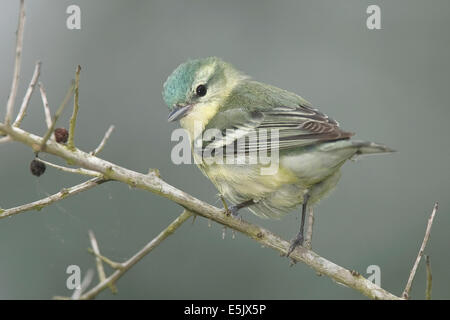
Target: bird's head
196,88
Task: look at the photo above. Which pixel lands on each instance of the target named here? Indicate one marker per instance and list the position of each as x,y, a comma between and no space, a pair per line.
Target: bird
209,95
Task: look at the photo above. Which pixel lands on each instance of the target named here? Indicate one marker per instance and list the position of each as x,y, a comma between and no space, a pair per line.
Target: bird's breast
194,123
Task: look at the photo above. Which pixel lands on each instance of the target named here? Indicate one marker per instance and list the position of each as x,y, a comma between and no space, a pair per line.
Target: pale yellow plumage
312,146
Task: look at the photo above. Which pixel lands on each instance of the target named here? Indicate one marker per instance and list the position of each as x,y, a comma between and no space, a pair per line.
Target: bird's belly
312,167
238,183
290,196
279,193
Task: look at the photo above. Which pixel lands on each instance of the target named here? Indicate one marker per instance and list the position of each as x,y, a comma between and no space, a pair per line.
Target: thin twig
103,142
84,284
109,262
4,139
405,294
225,205
72,170
138,256
64,193
17,65
55,118
73,119
429,278
47,113
27,97
98,261
309,230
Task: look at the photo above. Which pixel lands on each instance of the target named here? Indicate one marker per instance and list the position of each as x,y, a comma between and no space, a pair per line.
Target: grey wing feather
297,126
301,126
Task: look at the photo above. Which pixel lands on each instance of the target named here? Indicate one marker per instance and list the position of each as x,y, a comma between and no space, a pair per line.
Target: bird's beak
179,112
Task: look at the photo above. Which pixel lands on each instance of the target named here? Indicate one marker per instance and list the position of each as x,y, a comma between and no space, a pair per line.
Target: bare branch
138,256
405,294
72,170
47,113
98,261
103,142
64,193
309,230
151,182
73,119
225,205
17,65
5,139
55,118
429,279
109,262
27,97
84,285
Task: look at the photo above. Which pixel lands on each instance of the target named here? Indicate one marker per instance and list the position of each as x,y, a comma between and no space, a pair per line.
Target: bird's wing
297,126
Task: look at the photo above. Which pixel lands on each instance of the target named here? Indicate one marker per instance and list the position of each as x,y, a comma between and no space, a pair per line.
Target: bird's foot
230,211
233,211
298,241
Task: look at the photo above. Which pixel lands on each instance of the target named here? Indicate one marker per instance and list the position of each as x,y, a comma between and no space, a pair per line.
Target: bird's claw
296,243
233,211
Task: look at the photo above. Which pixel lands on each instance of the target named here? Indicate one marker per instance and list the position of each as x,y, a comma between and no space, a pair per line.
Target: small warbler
210,94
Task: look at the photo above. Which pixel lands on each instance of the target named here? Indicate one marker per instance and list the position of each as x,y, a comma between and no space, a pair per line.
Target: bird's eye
201,90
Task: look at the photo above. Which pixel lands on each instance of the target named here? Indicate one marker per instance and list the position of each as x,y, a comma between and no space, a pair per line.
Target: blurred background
389,86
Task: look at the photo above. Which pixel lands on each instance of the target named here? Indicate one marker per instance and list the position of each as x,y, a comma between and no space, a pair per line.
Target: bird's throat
197,119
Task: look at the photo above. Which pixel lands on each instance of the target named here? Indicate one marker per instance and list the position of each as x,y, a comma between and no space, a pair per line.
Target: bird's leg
233,210
298,241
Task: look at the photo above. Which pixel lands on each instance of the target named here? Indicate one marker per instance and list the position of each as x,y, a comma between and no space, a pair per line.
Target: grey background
388,86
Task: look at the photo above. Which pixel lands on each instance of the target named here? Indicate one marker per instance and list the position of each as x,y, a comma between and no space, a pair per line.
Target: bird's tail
349,148
365,147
